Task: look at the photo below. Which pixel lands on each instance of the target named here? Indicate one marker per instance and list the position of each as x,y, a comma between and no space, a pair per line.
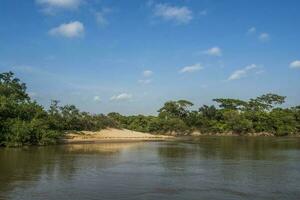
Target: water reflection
21,167
206,167
259,148
237,166
103,148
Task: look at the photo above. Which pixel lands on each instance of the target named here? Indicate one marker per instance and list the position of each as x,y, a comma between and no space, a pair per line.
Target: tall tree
175,109
266,102
231,104
12,88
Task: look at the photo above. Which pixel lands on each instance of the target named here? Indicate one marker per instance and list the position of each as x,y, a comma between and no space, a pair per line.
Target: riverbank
266,134
259,134
111,135
125,135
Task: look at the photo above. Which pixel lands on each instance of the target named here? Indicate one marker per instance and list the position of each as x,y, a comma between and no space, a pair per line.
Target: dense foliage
24,122
259,115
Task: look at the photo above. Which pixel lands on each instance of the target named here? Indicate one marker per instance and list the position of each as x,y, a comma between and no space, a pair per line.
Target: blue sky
132,56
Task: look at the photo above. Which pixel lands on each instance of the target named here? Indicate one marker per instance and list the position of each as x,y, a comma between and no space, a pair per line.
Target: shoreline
111,140
242,135
112,135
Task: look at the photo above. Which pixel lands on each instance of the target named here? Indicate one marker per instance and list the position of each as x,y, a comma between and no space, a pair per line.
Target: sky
132,56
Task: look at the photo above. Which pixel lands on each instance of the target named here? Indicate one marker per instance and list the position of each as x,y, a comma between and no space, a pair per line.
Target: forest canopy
25,122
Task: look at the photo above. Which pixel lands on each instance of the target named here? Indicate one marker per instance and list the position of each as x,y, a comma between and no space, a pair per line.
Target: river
198,168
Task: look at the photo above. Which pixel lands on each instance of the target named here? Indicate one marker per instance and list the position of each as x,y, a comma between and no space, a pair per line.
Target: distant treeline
24,122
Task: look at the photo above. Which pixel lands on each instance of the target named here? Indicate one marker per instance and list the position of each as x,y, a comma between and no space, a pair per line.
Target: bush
24,122
237,122
34,132
19,133
282,121
174,125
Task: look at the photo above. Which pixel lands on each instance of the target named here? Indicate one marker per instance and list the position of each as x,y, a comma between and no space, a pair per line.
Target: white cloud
214,51
191,68
69,30
145,81
147,73
97,98
120,97
50,6
60,3
251,30
295,64
264,37
238,74
180,15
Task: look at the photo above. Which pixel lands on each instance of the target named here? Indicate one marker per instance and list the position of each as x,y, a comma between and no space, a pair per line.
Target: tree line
25,122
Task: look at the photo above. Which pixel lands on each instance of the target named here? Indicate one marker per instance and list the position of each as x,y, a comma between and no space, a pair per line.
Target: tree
71,117
266,102
12,88
237,122
22,121
209,112
55,119
175,109
296,111
25,122
282,122
259,120
231,104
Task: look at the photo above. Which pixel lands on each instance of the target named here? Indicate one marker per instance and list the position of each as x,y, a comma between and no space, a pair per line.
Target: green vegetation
233,115
24,122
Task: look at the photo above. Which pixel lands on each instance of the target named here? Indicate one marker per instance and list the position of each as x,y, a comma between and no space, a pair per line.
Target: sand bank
111,135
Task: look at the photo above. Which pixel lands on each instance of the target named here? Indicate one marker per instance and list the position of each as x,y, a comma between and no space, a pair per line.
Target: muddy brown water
199,168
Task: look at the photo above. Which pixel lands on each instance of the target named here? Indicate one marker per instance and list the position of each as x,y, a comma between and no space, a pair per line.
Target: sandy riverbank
111,135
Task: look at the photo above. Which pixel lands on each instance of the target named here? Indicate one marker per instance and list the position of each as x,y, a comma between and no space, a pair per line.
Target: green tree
237,122
231,104
175,109
22,121
12,88
296,111
282,122
265,102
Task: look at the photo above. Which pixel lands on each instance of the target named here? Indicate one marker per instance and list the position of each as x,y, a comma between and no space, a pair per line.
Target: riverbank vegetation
259,115
25,122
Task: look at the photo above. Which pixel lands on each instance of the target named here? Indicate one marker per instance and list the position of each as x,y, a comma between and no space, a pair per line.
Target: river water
203,168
